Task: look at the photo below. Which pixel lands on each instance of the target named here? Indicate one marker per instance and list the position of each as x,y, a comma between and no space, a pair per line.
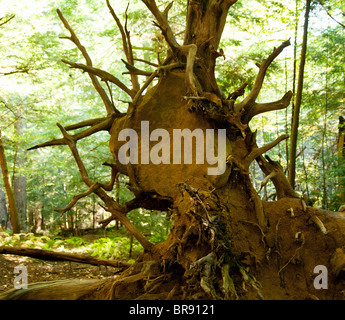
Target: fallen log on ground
62,256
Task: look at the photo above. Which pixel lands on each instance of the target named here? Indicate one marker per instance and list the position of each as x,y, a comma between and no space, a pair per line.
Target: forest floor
39,270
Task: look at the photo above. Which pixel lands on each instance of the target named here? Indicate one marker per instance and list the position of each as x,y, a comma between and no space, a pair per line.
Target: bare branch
244,163
7,20
133,70
105,125
114,171
238,92
92,189
107,103
119,214
114,207
266,179
147,62
258,108
259,151
104,75
249,101
75,199
133,105
276,105
86,123
163,25
330,14
167,9
24,69
127,45
144,200
72,144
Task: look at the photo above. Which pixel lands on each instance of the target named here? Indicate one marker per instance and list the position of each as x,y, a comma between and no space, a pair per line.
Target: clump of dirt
284,258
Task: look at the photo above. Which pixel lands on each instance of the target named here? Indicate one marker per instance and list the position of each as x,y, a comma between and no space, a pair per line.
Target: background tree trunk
341,157
19,179
8,188
297,106
3,207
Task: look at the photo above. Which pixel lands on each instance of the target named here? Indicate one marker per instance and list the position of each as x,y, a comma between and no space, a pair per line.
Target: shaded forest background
36,89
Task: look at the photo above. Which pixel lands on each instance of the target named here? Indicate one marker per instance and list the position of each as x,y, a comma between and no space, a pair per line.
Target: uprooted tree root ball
206,258
225,243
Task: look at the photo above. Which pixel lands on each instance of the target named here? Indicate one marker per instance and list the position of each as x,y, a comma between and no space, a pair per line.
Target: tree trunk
19,179
8,188
225,242
341,138
296,109
340,154
3,208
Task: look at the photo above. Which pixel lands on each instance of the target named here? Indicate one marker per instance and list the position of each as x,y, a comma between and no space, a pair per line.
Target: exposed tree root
233,269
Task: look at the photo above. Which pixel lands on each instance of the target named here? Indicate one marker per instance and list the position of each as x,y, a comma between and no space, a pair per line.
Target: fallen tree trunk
58,256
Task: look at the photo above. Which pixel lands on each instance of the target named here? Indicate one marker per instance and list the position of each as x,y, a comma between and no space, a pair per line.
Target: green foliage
115,248
25,240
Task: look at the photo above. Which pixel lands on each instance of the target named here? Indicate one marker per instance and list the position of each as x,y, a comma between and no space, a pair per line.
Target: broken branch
259,151
249,101
259,108
238,92
281,183
265,180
